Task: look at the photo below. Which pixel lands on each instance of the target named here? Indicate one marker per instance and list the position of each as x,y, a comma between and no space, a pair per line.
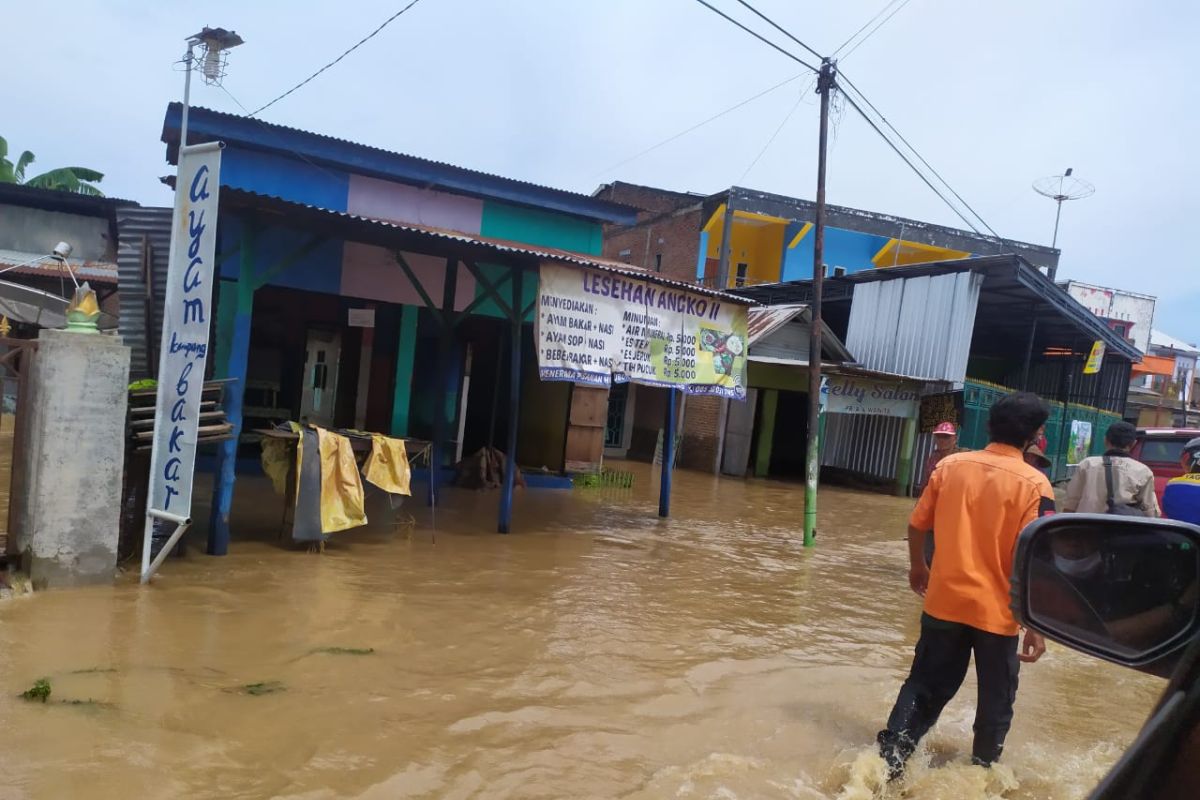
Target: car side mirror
1120,588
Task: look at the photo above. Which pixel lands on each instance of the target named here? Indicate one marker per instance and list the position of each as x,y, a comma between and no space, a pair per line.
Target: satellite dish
1061,188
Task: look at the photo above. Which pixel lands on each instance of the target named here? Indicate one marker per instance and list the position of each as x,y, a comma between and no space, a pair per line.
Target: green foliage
604,479
345,651
39,691
263,687
64,179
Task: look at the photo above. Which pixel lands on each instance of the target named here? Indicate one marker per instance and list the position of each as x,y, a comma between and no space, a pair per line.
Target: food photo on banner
598,328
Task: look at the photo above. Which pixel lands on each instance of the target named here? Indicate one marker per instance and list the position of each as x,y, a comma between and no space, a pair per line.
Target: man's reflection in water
1136,590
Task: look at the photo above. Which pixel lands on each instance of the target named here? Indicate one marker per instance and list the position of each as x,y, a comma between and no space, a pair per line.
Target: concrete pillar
75,459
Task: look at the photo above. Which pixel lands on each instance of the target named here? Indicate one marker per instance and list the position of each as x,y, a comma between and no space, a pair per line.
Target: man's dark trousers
942,655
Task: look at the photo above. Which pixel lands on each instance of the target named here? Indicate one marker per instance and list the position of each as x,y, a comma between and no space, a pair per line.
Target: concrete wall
35,230
75,459
1118,307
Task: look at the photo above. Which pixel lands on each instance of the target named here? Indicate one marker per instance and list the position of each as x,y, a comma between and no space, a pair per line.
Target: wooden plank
589,406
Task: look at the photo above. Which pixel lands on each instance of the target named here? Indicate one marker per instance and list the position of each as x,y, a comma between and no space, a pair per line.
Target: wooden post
445,347
238,348
514,399
904,458
668,460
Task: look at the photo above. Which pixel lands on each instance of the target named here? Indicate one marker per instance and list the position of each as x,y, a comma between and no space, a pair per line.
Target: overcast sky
558,92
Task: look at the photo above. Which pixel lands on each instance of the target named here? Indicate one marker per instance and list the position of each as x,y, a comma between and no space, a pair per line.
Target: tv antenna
1061,188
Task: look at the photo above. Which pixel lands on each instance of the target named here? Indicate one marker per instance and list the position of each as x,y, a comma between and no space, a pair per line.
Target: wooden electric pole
825,87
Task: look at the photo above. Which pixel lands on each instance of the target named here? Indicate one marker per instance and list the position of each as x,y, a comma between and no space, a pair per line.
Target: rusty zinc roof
92,271
423,238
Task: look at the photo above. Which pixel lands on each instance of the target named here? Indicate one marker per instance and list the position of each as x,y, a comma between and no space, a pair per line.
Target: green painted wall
532,226
406,349
495,273
766,433
777,376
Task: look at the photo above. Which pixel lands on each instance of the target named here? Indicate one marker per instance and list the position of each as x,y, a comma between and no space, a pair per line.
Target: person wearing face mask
1114,483
1074,586
976,504
1181,498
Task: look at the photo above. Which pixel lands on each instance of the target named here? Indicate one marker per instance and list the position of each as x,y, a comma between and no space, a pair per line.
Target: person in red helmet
945,443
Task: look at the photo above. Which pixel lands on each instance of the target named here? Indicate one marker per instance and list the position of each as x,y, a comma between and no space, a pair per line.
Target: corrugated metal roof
139,227
93,271
226,126
1160,339
918,326
762,320
415,234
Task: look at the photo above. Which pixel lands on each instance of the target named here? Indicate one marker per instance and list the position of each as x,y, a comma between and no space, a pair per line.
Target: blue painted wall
282,176
843,248
319,270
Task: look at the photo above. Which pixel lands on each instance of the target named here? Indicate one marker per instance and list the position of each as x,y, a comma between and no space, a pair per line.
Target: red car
1160,449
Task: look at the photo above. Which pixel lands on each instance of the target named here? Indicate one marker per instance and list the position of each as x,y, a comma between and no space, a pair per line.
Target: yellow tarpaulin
342,503
276,460
387,466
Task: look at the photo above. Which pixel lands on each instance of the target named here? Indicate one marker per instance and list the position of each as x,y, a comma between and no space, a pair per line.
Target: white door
320,377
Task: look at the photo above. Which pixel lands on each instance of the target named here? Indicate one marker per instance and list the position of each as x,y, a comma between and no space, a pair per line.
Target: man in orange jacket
977,502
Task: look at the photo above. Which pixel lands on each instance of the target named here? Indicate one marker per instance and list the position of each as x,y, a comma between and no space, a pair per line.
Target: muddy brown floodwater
597,653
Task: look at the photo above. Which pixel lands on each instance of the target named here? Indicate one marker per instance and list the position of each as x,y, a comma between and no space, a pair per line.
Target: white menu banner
595,327
187,313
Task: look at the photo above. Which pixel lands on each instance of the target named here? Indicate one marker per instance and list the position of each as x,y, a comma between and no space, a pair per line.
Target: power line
899,8
773,24
771,141
912,166
866,25
701,124
756,35
357,45
915,152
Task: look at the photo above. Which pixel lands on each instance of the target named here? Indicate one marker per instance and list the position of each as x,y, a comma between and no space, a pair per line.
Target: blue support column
514,400
445,352
237,337
668,457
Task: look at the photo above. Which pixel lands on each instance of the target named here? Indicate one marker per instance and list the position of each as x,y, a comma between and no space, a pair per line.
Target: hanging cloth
387,466
342,503
306,522
276,461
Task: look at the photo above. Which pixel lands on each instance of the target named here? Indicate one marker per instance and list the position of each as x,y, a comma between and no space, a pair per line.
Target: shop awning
1155,365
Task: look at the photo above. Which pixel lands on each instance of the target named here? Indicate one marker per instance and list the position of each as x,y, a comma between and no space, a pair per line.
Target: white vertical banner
187,312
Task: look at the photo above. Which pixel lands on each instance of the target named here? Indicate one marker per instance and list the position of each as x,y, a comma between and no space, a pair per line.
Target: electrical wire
774,135
266,128
915,152
357,45
699,125
866,25
757,35
899,8
911,165
777,27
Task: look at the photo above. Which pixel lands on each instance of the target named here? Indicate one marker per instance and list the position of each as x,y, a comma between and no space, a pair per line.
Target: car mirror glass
1118,587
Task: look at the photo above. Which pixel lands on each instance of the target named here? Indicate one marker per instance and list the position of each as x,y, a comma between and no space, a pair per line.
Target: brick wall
701,419
668,227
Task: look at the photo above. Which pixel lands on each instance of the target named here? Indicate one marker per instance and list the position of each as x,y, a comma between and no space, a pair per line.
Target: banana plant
63,179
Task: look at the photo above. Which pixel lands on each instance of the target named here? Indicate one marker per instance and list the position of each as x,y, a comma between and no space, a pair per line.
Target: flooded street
599,652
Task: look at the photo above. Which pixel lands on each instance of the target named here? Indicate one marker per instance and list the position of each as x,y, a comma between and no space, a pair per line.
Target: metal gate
16,359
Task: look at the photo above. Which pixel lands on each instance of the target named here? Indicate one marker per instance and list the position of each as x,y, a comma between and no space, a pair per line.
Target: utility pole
825,86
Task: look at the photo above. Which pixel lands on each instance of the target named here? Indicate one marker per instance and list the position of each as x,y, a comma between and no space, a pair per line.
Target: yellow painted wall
757,241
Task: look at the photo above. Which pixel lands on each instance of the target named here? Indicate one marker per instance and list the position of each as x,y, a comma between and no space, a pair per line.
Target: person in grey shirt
1133,482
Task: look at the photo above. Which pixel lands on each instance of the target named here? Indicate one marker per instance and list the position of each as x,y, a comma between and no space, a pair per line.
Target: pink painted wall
372,273
396,202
